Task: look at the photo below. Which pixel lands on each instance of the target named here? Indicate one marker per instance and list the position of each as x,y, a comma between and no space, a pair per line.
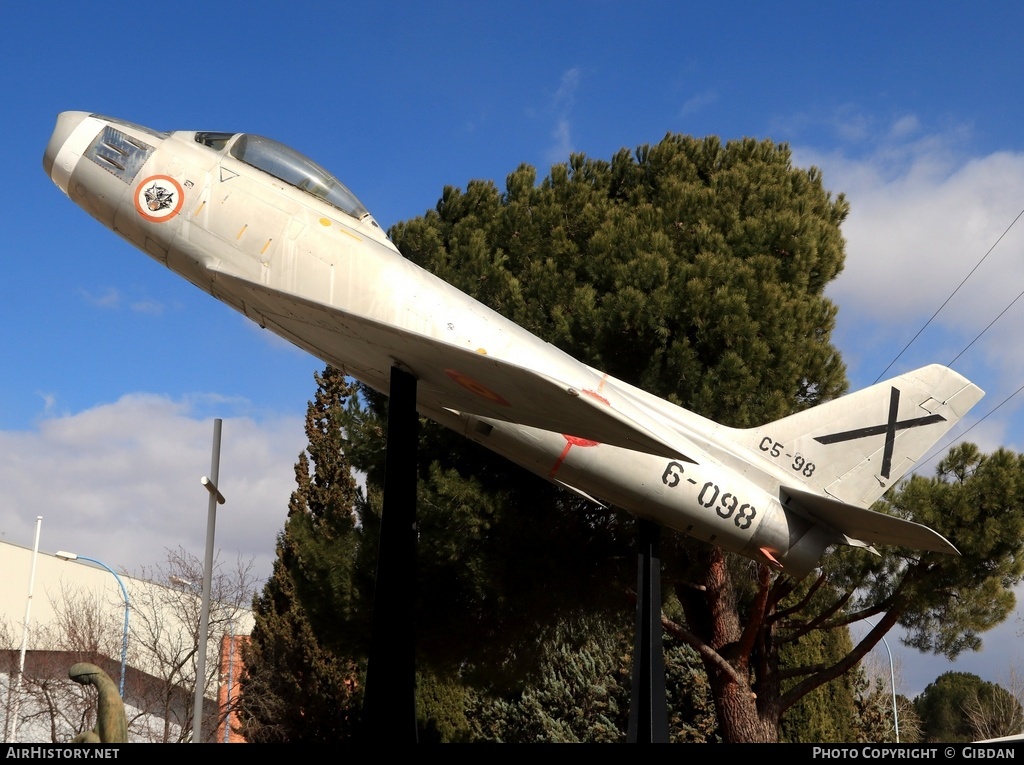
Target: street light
63,555
216,498
892,683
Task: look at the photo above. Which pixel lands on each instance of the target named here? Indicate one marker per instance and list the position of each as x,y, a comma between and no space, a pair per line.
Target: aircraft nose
65,147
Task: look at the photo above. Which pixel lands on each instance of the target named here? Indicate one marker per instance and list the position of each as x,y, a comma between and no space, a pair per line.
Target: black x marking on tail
889,429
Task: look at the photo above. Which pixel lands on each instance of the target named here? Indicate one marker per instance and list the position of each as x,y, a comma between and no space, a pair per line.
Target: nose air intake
61,155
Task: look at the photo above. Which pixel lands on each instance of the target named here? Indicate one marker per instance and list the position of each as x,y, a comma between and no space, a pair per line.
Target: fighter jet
266,230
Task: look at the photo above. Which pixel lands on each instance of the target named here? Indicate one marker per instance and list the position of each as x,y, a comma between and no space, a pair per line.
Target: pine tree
697,271
691,268
302,680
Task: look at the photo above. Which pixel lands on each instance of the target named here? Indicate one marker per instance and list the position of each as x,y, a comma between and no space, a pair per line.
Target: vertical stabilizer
856,447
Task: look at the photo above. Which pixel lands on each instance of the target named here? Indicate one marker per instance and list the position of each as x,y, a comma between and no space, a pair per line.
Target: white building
77,614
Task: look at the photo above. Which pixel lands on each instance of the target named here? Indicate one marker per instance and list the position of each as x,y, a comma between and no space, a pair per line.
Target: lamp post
11,687
892,683
216,498
63,555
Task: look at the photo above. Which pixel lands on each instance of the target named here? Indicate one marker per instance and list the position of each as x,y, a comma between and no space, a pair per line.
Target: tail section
854,448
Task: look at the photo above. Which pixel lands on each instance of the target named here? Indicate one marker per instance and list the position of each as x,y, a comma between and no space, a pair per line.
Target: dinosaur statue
111,727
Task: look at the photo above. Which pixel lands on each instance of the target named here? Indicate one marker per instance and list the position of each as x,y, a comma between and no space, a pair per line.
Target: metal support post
389,707
648,709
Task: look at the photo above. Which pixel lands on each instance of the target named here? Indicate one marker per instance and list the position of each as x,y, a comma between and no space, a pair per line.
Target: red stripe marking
570,441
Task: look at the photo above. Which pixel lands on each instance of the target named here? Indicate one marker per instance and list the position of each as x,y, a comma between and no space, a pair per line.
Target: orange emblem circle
159,198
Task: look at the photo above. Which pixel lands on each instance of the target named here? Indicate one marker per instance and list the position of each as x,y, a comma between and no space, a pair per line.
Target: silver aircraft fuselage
267,231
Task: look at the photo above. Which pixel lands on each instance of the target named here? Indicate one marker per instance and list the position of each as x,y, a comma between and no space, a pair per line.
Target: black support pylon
648,708
389,705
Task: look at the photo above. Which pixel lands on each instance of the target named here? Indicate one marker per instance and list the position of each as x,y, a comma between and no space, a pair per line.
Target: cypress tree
302,680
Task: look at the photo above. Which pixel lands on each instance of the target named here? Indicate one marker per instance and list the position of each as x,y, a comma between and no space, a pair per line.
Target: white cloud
697,103
109,298
850,124
913,238
120,482
562,147
567,88
149,306
562,104
49,402
922,217
905,126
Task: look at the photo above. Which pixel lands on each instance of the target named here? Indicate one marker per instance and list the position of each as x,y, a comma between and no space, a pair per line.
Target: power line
980,420
1000,315
951,295
976,339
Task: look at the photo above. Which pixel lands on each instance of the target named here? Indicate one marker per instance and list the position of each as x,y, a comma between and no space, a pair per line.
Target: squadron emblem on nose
159,198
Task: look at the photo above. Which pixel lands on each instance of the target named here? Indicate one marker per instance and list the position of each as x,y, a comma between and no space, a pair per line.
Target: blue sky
113,367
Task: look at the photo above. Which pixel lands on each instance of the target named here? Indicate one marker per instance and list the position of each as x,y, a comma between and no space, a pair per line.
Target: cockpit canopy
287,165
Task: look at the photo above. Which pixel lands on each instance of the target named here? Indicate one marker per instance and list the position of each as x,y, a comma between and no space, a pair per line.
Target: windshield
291,167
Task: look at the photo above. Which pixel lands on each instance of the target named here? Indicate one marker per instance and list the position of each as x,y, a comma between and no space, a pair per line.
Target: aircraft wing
868,526
454,378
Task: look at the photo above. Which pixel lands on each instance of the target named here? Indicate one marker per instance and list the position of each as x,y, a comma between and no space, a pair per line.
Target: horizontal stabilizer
867,526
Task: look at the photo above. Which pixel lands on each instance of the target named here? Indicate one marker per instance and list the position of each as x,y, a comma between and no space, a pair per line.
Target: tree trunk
741,718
